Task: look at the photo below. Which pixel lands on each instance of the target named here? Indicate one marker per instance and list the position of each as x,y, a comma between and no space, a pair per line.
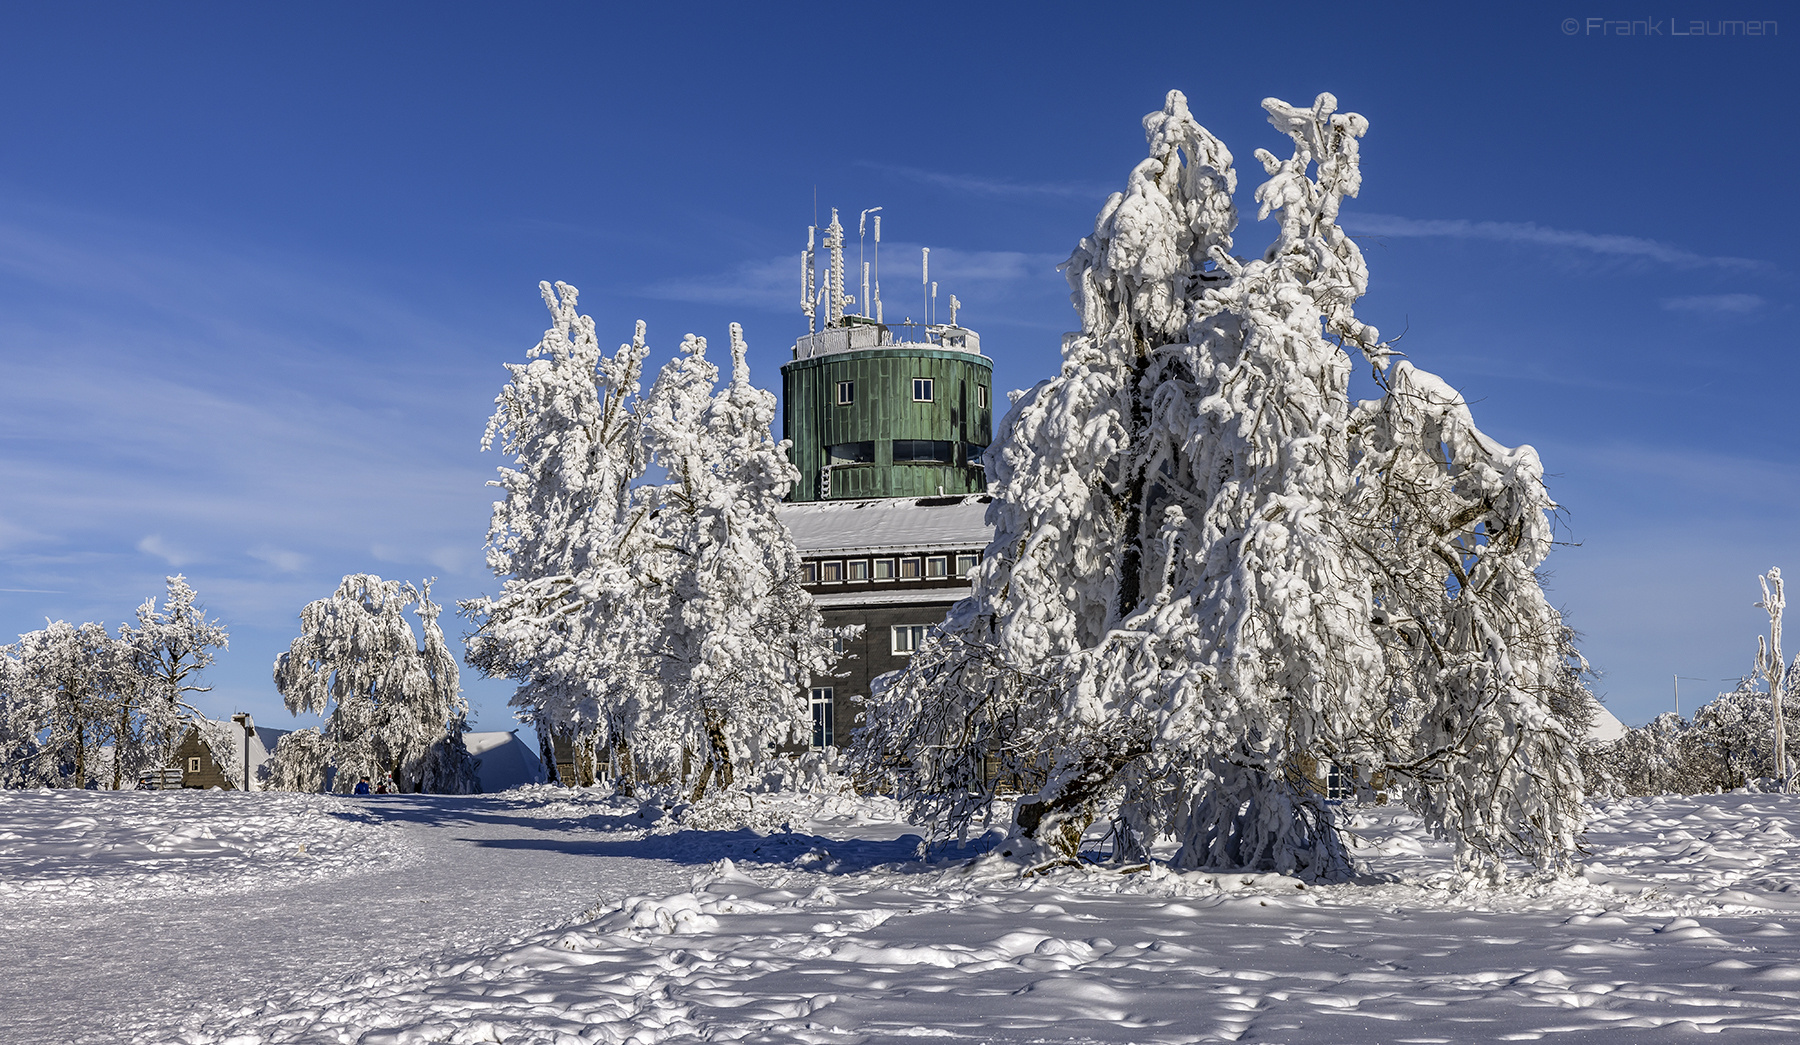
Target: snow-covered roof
506,761
903,597
1606,726
889,524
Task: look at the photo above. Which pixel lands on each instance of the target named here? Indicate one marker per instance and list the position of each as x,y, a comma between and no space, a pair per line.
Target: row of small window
906,451
922,392
912,568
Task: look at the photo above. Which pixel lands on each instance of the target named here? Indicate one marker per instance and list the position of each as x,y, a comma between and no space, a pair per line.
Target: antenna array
831,297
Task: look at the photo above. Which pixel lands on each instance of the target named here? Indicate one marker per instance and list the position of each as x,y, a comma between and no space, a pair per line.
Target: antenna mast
806,280
877,267
925,280
862,228
834,242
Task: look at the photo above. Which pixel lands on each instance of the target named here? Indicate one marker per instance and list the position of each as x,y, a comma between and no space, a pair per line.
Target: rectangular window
937,568
921,389
809,573
1339,784
821,716
908,638
193,765
965,565
837,645
981,395
856,570
909,569
831,572
884,569
851,453
924,451
846,393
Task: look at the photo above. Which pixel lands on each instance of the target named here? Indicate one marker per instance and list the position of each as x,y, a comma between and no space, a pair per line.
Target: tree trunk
719,758
1131,549
119,734
625,780
1060,820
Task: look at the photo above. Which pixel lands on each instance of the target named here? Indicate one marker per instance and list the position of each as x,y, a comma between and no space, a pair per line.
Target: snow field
1686,924
62,846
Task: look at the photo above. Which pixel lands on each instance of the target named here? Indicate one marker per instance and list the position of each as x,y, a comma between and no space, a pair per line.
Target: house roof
1606,726
506,761
889,524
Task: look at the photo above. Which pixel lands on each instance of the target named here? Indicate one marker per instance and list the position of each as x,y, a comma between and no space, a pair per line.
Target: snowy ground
557,917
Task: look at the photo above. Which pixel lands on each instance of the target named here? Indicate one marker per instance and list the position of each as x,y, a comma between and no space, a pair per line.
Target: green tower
869,415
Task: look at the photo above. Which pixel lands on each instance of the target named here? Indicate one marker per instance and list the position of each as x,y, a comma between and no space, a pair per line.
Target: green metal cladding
883,410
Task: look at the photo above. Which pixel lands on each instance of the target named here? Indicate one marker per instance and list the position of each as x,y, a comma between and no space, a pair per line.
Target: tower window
924,451
821,716
921,389
851,453
980,395
846,393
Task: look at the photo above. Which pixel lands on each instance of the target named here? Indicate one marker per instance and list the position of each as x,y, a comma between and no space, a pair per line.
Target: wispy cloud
768,283
153,544
281,558
1529,232
1720,486
1739,304
1001,188
450,560
773,284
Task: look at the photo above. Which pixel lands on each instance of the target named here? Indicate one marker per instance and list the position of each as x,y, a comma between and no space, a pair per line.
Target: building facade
887,426
891,566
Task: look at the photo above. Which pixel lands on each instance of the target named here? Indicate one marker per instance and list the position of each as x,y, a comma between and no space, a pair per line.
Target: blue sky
260,265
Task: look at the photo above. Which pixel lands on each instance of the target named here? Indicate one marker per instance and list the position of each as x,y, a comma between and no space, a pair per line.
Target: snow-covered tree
738,634
66,702
1773,670
302,762
1210,570
1727,745
170,647
657,625
393,705
570,624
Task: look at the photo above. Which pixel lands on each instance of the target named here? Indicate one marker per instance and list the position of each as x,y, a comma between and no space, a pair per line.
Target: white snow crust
809,918
121,847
